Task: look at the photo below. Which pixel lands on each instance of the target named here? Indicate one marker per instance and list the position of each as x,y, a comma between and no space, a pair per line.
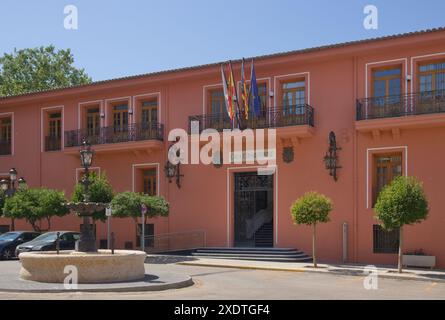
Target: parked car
47,242
10,240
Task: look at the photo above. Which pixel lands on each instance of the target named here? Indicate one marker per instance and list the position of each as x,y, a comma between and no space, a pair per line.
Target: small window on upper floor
5,136
293,96
120,118
432,77
387,82
53,136
149,112
92,121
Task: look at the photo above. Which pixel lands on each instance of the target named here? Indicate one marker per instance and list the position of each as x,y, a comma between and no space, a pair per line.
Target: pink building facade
383,98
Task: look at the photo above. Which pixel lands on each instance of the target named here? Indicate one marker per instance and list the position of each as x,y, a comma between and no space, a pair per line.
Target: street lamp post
9,188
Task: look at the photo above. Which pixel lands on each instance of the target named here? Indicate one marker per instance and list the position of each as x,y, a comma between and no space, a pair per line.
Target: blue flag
255,98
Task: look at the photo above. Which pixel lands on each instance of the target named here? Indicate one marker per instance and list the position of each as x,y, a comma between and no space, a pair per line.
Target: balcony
5,148
136,136
301,116
401,111
53,143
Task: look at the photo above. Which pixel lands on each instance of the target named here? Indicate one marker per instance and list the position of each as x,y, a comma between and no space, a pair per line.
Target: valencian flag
227,100
233,98
244,93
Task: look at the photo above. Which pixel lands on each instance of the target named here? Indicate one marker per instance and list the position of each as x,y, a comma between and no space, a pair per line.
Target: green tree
37,69
402,202
100,190
2,201
33,205
310,209
129,204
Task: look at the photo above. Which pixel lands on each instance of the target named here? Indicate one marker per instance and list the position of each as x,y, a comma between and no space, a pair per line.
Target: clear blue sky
119,38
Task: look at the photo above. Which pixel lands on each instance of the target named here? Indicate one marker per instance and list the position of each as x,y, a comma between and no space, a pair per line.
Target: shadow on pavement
161,259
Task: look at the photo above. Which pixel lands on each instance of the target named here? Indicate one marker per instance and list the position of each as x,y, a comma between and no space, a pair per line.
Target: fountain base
98,267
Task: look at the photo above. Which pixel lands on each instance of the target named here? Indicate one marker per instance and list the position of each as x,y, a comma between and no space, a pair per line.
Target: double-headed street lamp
8,187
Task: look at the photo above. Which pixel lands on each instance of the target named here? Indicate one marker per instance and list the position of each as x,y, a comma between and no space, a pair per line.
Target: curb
357,273
141,288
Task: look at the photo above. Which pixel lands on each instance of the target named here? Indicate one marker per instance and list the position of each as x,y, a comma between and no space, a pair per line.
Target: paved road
225,283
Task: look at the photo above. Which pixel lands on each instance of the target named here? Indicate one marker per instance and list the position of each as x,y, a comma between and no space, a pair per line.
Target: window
149,112
149,181
93,121
149,233
293,97
385,241
432,77
218,117
386,168
53,139
387,86
5,135
120,118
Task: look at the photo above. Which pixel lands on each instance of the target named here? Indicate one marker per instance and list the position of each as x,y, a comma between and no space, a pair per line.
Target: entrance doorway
253,210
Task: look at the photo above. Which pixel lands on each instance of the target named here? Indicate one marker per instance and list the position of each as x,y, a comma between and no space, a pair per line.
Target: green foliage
401,202
33,205
2,201
128,204
37,69
311,209
100,190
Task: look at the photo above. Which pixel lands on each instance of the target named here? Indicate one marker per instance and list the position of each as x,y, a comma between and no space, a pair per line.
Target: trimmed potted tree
312,208
402,202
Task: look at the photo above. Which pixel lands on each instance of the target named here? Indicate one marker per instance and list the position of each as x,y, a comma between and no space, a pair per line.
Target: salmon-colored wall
335,78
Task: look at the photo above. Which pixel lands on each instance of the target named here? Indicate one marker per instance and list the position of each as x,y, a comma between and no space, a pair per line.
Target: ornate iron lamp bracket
331,157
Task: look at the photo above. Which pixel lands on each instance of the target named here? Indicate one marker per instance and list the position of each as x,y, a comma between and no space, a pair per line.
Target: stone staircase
258,254
264,236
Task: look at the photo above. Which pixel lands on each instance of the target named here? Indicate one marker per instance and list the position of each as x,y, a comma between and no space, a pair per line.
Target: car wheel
7,254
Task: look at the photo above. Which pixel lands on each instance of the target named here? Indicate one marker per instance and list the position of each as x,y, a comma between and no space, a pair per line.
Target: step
250,255
255,253
274,259
247,249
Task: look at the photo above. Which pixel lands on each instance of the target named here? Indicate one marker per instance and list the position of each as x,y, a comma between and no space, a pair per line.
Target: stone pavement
345,269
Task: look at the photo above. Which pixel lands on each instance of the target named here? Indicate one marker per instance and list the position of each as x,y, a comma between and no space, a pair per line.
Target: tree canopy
37,69
311,209
100,190
401,202
33,205
129,204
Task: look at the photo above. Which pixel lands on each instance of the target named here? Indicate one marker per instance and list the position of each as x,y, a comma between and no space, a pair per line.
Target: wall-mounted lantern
331,157
173,171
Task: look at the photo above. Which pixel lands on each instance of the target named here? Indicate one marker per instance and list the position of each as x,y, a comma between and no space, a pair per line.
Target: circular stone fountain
86,264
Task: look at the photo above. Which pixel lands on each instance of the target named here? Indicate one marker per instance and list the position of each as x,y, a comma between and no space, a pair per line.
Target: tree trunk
400,262
12,224
314,259
49,223
136,229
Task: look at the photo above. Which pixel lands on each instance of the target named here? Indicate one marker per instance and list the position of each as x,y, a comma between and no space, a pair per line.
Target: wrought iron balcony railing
270,118
401,105
53,143
5,148
104,135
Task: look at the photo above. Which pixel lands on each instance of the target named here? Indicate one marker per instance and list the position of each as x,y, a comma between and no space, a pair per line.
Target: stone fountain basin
100,267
